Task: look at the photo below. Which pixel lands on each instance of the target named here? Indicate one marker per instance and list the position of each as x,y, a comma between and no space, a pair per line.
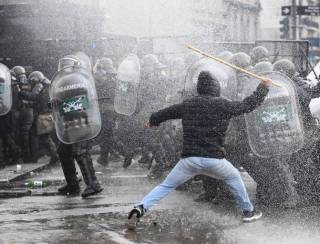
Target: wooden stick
230,65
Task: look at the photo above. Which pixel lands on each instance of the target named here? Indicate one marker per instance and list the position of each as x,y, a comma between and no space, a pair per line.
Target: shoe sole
132,223
252,219
94,193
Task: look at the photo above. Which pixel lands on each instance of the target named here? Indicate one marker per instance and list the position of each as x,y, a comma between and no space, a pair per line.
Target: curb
10,174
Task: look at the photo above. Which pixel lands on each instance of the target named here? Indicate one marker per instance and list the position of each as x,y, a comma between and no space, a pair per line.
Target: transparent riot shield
225,75
5,90
128,78
275,127
85,60
74,101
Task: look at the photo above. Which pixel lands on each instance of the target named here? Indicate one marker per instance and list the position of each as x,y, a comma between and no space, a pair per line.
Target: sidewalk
10,175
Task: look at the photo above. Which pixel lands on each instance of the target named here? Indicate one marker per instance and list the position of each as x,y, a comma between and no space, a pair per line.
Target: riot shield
128,77
74,102
275,127
85,60
5,90
225,75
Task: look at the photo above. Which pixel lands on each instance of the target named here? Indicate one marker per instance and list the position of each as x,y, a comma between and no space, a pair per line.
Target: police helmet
259,54
225,55
263,66
286,67
241,60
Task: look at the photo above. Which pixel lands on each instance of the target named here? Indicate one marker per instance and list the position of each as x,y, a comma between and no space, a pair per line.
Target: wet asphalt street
177,219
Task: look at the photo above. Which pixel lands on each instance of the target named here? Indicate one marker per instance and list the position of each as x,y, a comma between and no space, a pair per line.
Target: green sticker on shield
74,104
274,114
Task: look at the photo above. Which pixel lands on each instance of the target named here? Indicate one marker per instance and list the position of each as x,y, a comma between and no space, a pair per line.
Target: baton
230,65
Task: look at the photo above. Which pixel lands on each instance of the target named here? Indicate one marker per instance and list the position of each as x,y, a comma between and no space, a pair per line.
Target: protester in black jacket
205,119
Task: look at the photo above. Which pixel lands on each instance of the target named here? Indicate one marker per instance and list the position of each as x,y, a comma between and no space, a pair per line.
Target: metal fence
296,51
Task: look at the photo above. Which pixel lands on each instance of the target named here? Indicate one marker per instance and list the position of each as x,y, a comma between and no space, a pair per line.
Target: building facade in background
220,20
227,20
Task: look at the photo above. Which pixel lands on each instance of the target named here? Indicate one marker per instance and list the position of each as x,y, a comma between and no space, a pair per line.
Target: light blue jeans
187,168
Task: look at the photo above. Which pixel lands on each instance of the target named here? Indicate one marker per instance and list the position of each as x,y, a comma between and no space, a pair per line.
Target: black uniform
306,162
106,93
25,122
80,152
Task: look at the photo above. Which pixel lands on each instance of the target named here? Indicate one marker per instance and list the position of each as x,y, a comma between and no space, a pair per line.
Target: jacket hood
208,84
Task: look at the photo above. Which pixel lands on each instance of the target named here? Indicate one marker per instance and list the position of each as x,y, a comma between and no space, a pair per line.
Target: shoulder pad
37,88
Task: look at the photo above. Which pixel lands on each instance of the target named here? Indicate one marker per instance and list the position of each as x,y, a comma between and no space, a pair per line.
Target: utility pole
294,19
300,22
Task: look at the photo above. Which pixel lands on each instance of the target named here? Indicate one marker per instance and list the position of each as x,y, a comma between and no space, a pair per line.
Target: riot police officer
105,78
274,180
225,55
263,66
177,73
305,163
71,92
152,96
25,114
42,114
305,92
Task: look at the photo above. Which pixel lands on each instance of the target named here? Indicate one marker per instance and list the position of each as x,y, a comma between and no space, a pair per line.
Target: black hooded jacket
205,118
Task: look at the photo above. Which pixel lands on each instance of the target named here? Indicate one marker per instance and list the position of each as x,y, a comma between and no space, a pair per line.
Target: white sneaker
250,216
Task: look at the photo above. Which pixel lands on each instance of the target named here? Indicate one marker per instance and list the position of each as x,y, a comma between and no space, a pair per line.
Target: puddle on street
170,226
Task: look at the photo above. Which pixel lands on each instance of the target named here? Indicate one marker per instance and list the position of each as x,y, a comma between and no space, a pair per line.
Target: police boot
69,170
27,156
128,159
156,171
103,158
146,158
160,164
105,151
54,159
53,151
89,177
